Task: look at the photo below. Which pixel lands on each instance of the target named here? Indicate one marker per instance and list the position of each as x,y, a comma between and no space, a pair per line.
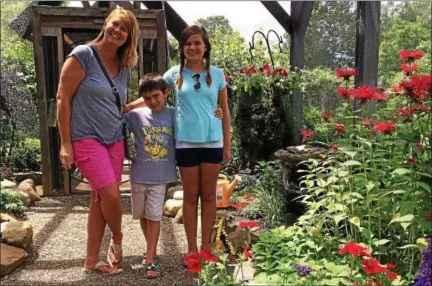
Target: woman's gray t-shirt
94,110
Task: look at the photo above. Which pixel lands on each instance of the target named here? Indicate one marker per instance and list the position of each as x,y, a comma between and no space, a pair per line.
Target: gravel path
59,238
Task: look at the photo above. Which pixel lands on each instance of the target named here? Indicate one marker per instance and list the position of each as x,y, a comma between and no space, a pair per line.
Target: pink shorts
100,164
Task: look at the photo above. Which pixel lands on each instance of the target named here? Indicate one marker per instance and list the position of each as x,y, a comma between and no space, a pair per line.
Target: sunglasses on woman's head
196,78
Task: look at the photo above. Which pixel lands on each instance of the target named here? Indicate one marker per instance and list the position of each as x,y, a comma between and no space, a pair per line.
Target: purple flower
424,278
303,269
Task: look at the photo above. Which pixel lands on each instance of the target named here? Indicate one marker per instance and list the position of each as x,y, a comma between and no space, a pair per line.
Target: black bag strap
113,87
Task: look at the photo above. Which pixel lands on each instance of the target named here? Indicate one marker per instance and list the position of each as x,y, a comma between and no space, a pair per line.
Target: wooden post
47,180
162,47
367,42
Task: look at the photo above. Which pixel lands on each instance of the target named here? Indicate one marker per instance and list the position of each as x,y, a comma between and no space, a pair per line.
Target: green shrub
10,202
26,156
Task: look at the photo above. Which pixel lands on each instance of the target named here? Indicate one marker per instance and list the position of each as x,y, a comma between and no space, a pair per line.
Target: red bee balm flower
208,256
342,92
354,249
346,73
372,267
411,55
306,134
411,161
247,253
385,127
408,68
405,111
340,128
380,97
391,275
326,116
366,122
193,263
363,93
248,224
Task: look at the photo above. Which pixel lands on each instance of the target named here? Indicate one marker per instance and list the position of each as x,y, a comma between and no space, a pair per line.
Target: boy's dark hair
152,81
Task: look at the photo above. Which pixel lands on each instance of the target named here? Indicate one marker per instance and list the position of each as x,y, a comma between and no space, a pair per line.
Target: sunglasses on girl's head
196,78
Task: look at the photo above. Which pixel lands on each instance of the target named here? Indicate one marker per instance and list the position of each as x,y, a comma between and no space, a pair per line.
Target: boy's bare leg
143,223
152,236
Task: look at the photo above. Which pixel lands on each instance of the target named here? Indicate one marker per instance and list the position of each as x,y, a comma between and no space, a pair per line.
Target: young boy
155,166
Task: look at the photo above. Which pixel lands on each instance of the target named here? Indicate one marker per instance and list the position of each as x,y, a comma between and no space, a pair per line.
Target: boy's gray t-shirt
154,144
94,109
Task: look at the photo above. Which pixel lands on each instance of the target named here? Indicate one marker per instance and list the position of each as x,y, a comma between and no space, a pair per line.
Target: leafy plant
27,155
10,202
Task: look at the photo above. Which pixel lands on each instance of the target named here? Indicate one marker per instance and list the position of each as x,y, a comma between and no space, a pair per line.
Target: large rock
178,195
170,192
18,233
36,177
179,216
238,238
171,207
28,187
6,218
11,258
24,197
7,184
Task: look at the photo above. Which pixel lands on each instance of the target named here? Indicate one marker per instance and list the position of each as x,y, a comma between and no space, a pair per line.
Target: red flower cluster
369,264
343,92
364,93
417,87
411,55
405,111
228,79
407,69
246,251
366,122
306,134
239,206
248,224
334,147
422,108
251,197
380,97
346,73
326,116
385,127
193,263
355,250
340,128
265,69
411,161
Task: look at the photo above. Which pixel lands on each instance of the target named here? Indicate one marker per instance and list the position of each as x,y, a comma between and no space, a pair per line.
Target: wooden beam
300,16
367,42
86,4
174,22
162,44
125,4
47,180
91,12
279,14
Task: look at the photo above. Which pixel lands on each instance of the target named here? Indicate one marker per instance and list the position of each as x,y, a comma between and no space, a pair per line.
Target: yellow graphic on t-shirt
156,141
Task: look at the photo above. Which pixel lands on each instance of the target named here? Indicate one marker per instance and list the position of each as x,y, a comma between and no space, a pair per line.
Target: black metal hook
266,38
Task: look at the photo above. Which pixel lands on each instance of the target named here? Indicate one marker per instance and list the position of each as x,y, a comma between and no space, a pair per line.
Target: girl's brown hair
189,31
128,51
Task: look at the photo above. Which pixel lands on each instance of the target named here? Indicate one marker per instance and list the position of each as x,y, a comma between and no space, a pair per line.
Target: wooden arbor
56,31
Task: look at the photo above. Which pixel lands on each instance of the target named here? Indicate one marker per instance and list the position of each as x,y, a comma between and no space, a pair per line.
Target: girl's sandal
156,259
103,268
152,271
114,250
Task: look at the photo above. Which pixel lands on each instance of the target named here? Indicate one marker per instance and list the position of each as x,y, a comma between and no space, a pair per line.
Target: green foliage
214,24
330,36
319,88
27,155
10,202
409,29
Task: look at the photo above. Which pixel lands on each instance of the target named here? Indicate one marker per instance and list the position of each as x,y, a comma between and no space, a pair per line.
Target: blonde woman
90,127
